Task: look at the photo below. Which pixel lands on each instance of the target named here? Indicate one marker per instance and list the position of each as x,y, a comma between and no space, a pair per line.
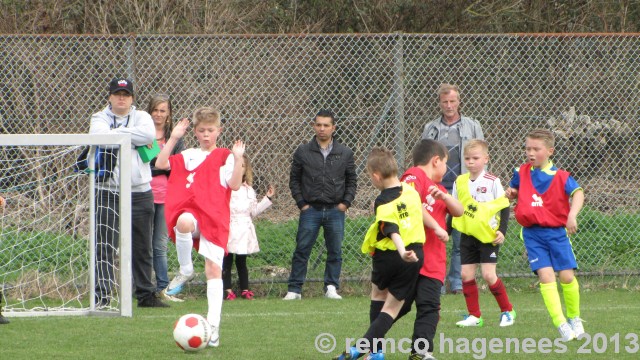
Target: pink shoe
231,295
247,294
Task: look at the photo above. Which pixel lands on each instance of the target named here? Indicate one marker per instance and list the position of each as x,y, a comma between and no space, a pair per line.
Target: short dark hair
427,149
326,113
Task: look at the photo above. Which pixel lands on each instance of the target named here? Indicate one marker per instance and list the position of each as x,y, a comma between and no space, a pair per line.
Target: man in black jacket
323,183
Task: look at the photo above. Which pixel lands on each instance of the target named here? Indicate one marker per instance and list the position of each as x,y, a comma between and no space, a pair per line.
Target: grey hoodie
140,126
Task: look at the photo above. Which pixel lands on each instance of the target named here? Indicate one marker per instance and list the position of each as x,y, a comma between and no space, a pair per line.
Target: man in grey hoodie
121,117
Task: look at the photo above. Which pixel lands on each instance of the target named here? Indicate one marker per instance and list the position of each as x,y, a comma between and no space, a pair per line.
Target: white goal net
47,227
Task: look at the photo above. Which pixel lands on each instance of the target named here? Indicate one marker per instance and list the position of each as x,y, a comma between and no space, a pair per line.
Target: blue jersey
541,179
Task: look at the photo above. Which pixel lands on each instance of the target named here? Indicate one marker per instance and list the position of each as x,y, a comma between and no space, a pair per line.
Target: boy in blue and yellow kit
395,242
548,202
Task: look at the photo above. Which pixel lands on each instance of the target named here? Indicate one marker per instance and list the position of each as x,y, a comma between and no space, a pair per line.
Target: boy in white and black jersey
483,225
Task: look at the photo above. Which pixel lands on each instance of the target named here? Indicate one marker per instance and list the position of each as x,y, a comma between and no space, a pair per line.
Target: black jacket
319,182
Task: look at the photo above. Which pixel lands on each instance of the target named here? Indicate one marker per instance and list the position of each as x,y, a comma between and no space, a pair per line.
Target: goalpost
47,227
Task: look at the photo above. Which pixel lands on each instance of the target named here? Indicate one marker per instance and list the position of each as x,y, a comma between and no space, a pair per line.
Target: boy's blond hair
545,135
206,115
382,161
476,144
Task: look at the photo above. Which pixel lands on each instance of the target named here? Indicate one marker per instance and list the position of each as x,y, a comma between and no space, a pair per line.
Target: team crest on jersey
537,201
429,201
190,179
470,210
481,190
402,210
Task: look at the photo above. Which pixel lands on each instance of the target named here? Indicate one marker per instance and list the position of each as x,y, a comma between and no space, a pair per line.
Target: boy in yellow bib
394,241
483,225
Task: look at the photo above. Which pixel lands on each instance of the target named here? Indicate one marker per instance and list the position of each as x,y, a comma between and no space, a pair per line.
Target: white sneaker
566,332
168,297
425,356
215,337
332,293
507,318
576,326
470,321
292,296
176,285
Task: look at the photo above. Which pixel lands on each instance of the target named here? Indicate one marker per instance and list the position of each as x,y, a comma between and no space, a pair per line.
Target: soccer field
276,329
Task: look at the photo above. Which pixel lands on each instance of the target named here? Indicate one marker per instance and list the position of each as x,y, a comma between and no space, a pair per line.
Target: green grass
274,329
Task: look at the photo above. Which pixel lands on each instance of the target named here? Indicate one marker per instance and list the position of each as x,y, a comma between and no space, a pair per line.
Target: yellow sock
571,293
551,299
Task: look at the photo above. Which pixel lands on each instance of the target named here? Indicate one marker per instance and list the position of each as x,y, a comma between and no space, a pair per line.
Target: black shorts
473,251
394,274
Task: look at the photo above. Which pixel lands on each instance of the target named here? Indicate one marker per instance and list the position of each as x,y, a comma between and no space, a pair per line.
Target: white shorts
207,249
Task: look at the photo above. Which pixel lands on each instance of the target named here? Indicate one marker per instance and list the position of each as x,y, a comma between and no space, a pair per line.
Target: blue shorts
548,247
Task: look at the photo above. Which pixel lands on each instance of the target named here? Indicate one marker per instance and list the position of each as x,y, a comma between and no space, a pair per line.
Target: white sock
214,299
184,243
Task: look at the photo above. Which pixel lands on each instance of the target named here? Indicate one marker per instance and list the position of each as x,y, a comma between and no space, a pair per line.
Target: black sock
374,310
377,330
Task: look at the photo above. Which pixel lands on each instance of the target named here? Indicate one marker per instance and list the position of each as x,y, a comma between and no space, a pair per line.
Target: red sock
470,291
500,292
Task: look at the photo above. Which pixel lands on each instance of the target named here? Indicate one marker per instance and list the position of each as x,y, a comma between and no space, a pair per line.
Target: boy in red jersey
548,217
430,165
482,226
197,204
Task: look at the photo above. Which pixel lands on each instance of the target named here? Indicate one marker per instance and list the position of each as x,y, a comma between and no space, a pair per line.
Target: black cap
118,84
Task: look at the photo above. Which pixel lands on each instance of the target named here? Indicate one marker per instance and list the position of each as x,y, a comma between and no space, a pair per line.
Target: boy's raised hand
180,129
511,193
238,149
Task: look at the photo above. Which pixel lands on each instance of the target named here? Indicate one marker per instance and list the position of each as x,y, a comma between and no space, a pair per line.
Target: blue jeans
160,241
332,221
455,273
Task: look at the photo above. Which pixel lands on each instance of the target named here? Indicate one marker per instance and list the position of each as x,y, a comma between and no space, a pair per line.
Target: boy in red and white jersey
483,225
197,206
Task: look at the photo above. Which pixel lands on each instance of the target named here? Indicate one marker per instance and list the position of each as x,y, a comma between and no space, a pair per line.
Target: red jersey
550,209
435,252
200,193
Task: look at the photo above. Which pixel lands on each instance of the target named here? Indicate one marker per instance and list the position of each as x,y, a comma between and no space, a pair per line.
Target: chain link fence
383,89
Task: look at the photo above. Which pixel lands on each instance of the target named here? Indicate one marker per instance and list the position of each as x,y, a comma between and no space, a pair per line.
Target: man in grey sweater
454,131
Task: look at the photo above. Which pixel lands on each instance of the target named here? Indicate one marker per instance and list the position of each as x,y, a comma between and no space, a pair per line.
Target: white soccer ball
192,332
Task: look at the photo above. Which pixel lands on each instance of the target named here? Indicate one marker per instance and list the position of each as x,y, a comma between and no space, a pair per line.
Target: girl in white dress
242,233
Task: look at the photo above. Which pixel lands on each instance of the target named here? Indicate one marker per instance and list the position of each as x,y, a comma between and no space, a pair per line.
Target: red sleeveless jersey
550,209
200,193
435,251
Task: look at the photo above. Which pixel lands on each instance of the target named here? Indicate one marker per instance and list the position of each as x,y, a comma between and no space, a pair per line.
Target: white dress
242,234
